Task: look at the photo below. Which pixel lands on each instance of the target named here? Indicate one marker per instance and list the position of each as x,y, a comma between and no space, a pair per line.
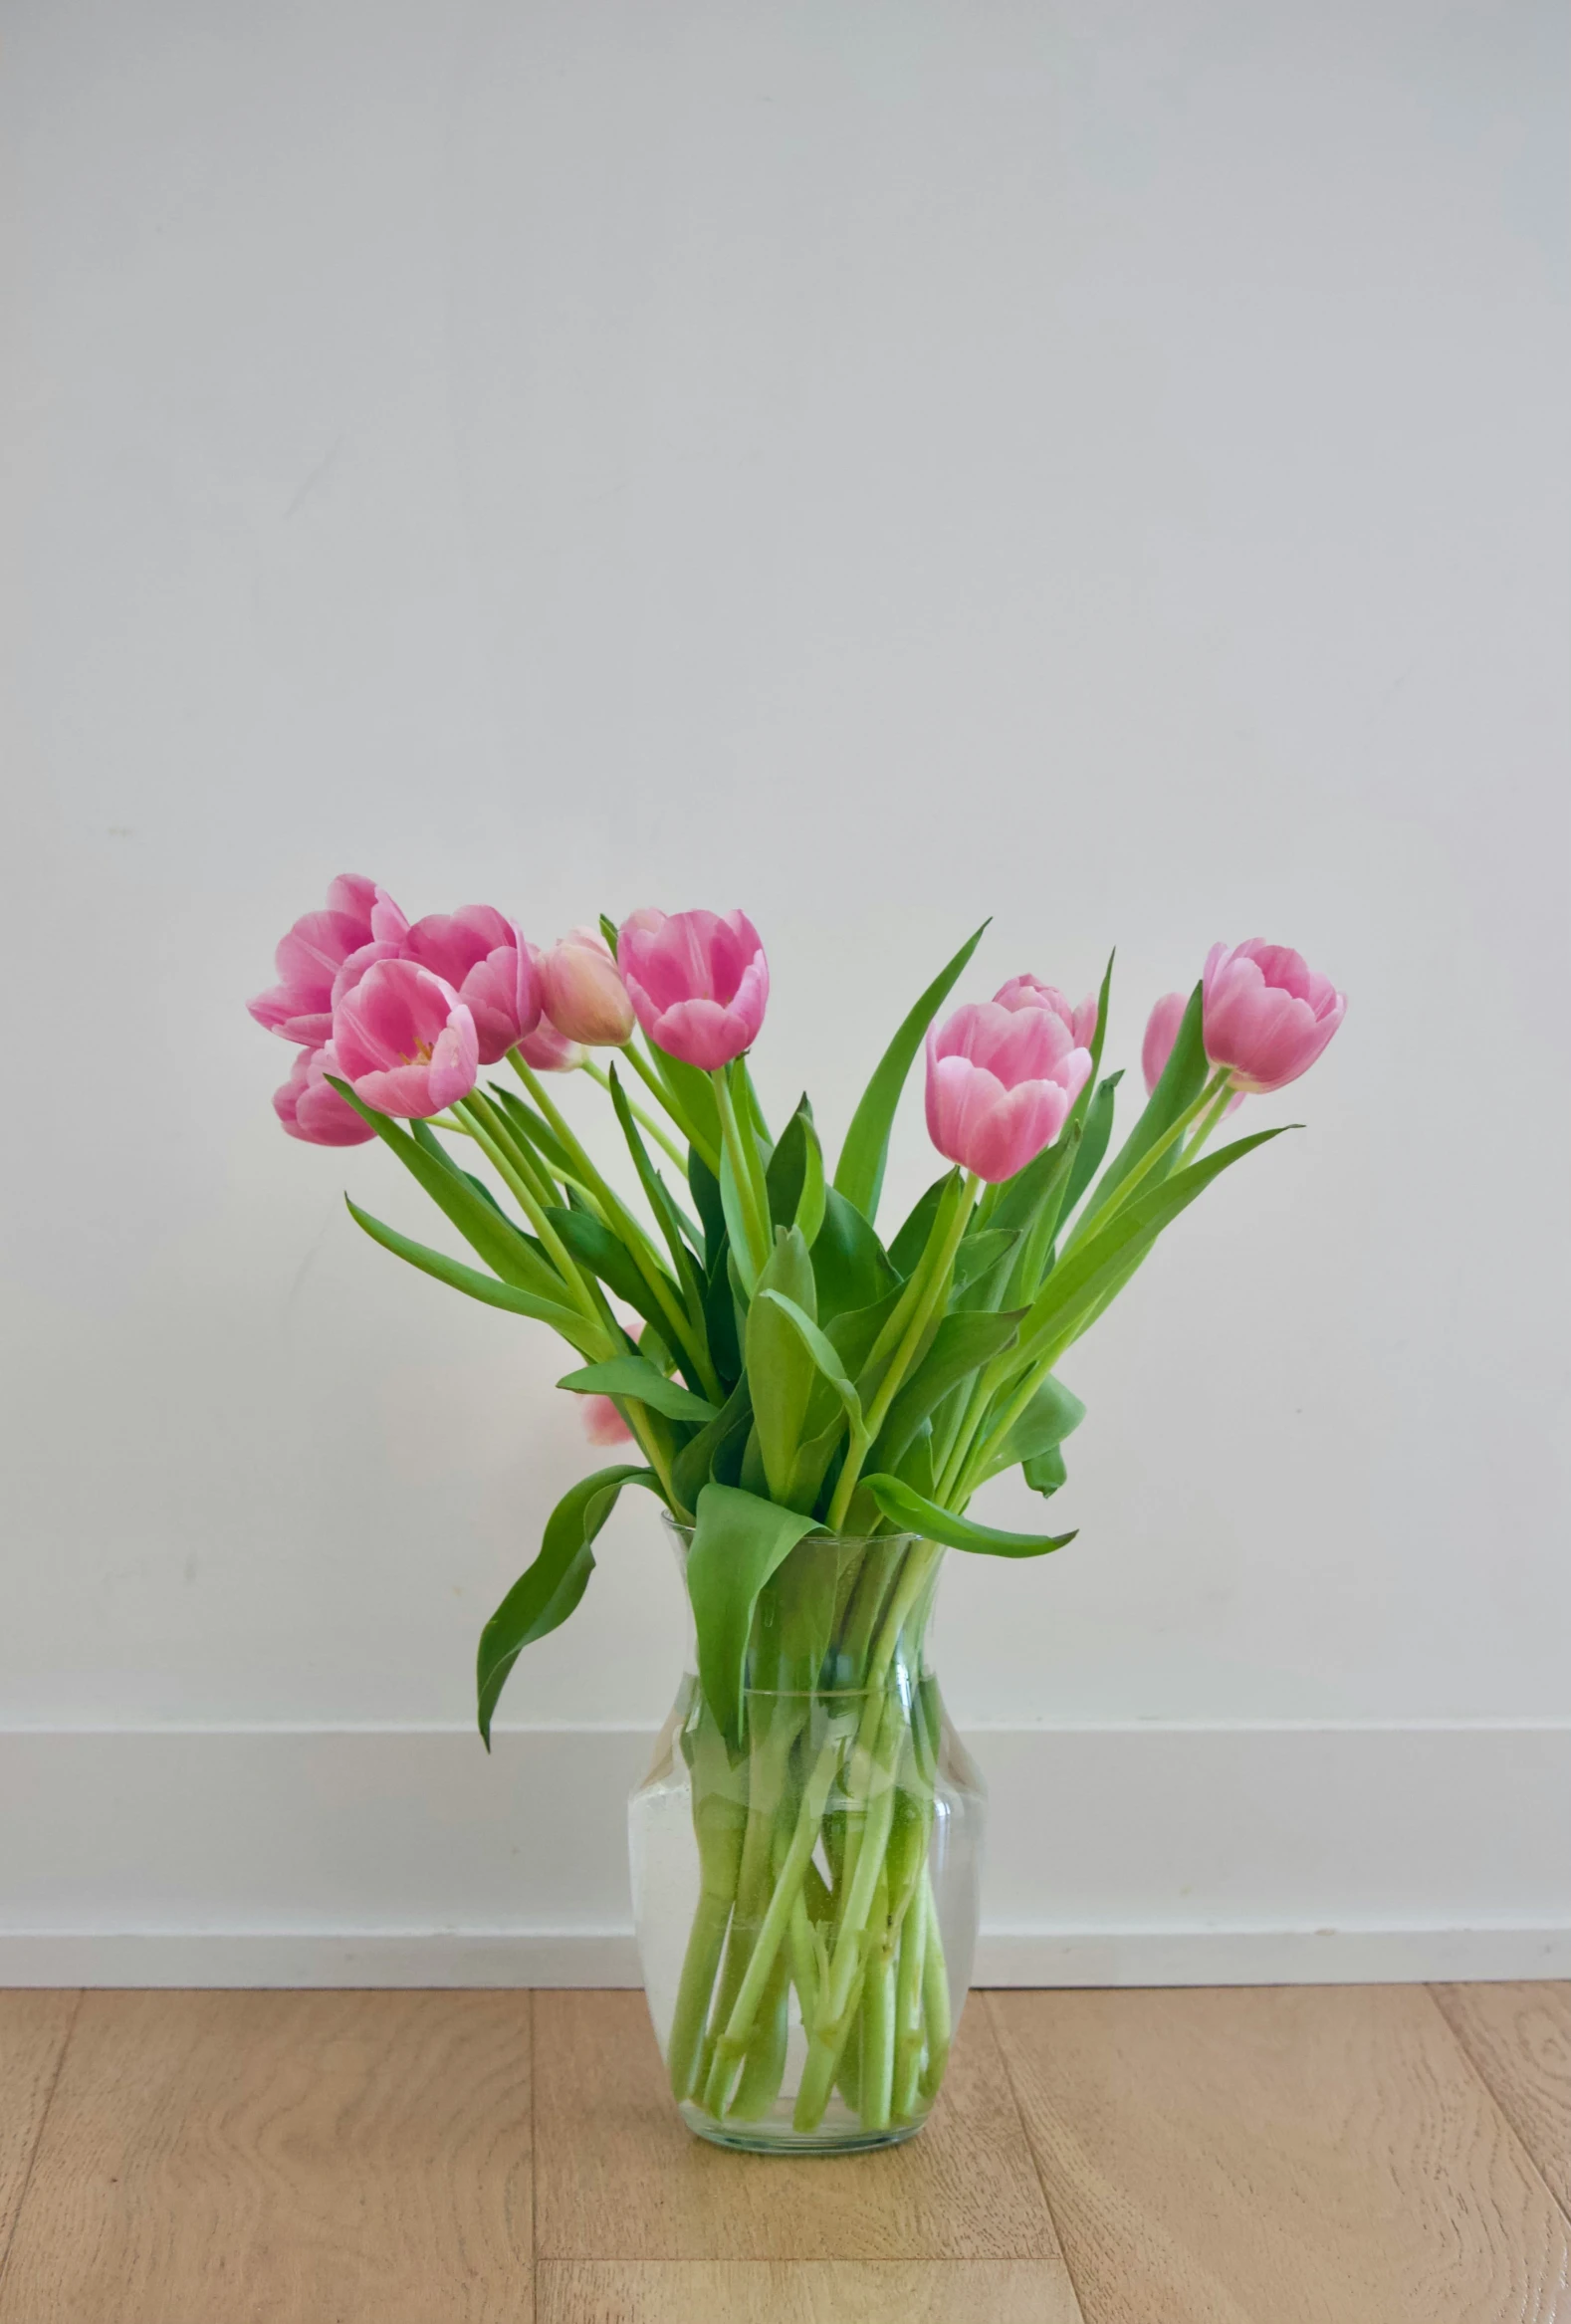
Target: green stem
1209,1121
753,1223
475,1111
1092,1219
932,1291
877,2065
935,1996
653,1083
909,2018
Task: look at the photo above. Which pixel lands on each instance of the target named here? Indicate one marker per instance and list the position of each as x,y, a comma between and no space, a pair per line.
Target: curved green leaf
545,1594
483,1225
469,1280
606,1256
737,1542
1183,1078
1054,1413
779,1366
962,1344
635,1376
849,1264
860,1173
915,1513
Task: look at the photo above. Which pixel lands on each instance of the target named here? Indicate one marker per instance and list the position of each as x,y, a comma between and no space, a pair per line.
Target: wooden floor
1332,2155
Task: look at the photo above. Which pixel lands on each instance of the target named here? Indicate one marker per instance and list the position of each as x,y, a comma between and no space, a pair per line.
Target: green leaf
469,1280
737,1246
1083,1103
1081,1276
1046,1472
860,1173
823,1350
915,1513
738,1542
609,930
546,1593
978,1254
908,1246
793,1180
694,1094
1183,1078
706,1200
658,1197
483,1225
534,1129
609,1257
848,1260
1094,1142
781,1371
707,1453
635,1376
962,1344
856,1332
1054,1413
1024,1197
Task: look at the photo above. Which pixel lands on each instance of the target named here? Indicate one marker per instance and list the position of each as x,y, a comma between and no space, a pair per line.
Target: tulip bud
1031,992
584,996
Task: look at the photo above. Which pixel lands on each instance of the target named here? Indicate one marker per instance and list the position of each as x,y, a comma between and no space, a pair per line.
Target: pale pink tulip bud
310,1107
1267,1014
584,996
604,1424
299,1006
999,1085
405,1040
1031,992
1162,1030
699,983
490,965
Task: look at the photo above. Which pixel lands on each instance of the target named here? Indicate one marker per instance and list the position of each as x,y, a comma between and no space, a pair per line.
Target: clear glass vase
807,1903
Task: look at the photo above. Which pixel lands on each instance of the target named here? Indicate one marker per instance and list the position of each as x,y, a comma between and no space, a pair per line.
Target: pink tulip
1031,992
490,965
1162,1027
584,993
308,958
604,1424
405,1041
310,1107
1268,1014
999,1085
700,984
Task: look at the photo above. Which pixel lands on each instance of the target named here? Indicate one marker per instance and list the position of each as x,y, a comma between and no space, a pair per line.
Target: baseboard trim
1118,1855
515,1958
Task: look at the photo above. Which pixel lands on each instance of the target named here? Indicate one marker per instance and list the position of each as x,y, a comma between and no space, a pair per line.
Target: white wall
1098,464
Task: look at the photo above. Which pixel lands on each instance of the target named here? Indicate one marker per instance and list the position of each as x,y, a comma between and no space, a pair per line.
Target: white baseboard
1118,1855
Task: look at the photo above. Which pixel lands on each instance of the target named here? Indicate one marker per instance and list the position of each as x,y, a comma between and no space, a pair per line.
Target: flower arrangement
788,1379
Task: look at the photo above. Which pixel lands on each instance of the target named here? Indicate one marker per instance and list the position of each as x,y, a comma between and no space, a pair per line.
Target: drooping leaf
1046,1472
1183,1078
483,1225
487,1288
848,1262
738,1542
1054,1413
860,1173
635,1376
915,1513
779,1368
548,1592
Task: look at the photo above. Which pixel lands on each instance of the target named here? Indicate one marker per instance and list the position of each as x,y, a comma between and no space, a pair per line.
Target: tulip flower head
1031,992
604,1424
299,1006
583,992
699,984
490,965
1268,1014
999,1085
405,1040
311,1109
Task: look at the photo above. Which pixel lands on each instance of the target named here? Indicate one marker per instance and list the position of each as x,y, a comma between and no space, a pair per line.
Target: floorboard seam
1030,2149
1498,2104
37,2136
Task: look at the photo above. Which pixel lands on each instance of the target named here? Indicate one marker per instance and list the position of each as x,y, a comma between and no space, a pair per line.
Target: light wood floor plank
32,2032
225,2158
1520,2038
1309,2155
811,2292
619,2176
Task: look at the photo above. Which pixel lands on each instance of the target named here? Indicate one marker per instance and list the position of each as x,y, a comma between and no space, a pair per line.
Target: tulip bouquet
814,1405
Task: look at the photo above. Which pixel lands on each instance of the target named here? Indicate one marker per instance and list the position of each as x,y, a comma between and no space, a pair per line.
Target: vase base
779,2138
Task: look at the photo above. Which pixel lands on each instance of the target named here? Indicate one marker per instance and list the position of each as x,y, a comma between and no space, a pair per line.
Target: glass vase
806,1896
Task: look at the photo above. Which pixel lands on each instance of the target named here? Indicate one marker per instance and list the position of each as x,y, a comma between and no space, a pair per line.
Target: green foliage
635,1376
962,1344
1183,1078
779,1365
914,1513
459,1278
543,1597
739,1540
849,1264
